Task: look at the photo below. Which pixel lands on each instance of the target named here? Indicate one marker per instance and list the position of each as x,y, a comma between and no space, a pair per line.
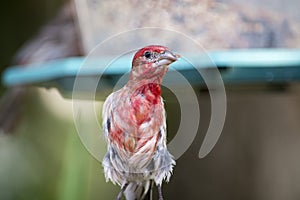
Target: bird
134,126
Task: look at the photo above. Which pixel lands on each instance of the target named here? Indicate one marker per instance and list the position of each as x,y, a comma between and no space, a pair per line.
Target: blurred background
256,157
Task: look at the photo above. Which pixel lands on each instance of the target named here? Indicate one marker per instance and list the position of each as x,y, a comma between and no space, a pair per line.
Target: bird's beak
167,57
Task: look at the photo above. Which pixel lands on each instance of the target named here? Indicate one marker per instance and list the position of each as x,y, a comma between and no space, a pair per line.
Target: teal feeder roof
235,66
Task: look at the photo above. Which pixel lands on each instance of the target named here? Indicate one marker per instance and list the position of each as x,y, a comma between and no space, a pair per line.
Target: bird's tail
136,191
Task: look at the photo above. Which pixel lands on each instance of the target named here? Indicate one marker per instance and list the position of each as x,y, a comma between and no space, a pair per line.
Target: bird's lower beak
167,57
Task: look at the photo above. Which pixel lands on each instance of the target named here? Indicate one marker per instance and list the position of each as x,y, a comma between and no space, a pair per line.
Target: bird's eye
147,54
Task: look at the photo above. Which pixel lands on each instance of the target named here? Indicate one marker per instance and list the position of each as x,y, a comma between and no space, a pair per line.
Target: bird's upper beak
167,57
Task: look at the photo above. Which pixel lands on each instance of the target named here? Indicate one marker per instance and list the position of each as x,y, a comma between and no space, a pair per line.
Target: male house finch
134,125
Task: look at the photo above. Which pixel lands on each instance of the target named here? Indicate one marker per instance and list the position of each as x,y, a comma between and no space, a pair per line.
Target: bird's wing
106,115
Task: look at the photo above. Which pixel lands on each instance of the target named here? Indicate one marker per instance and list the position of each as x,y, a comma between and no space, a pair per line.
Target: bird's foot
160,196
123,188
